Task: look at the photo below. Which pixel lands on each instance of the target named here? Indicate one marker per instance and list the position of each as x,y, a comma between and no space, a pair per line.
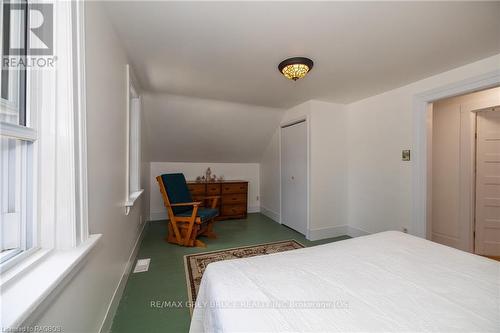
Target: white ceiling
230,50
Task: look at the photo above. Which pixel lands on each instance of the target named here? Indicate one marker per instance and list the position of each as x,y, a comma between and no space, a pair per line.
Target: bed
388,281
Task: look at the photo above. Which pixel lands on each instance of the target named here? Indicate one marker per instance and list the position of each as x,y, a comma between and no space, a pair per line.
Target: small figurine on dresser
208,175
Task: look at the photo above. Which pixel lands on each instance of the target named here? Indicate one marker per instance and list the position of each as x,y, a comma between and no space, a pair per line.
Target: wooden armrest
215,199
195,203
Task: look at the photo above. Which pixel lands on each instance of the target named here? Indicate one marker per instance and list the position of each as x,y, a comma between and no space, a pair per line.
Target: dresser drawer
213,189
197,189
234,198
234,188
200,198
232,210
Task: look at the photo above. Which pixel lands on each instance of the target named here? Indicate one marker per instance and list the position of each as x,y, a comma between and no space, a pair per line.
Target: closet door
487,240
294,176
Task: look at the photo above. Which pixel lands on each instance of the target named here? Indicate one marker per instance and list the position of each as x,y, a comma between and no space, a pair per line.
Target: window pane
134,158
16,218
12,74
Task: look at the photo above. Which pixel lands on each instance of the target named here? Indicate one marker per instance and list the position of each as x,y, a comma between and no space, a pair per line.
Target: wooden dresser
233,196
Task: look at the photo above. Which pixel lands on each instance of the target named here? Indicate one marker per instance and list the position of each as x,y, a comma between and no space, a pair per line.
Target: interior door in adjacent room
487,229
294,176
452,138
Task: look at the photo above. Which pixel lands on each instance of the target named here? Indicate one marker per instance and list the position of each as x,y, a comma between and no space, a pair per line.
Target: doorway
455,123
294,175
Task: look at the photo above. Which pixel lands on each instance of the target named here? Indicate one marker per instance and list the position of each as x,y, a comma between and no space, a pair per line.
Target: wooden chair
187,219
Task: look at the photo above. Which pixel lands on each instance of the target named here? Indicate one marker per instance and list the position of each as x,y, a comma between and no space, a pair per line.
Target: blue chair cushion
177,191
204,213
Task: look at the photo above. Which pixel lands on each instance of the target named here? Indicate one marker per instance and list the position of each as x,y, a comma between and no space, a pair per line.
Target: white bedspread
389,281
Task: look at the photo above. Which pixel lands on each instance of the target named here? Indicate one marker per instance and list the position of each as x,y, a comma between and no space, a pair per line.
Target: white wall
187,129
359,184
329,156
328,173
239,171
82,304
379,127
270,179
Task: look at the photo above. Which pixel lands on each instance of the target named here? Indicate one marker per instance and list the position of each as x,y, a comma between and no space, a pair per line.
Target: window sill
131,200
25,292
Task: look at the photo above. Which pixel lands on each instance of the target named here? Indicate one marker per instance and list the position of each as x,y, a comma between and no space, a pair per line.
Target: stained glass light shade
295,68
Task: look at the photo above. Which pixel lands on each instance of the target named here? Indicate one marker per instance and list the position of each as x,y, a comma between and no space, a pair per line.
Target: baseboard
117,295
162,215
328,232
271,214
158,215
340,230
254,209
355,232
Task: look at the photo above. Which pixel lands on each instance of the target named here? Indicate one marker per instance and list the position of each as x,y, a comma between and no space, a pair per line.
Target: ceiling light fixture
295,68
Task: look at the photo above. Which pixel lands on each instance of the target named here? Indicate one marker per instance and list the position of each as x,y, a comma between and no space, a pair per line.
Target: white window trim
18,132
63,239
11,103
131,196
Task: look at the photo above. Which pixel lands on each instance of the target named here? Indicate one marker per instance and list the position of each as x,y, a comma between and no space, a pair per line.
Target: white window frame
25,160
11,103
133,182
63,239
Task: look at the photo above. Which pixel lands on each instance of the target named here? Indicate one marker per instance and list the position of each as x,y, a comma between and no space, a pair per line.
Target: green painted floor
165,280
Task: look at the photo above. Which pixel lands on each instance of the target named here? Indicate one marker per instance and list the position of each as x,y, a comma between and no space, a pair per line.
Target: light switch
405,156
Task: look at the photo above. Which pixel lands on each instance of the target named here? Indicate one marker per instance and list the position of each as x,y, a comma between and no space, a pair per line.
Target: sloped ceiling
230,50
184,129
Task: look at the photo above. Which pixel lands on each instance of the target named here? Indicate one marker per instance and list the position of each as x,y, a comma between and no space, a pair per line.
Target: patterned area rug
195,264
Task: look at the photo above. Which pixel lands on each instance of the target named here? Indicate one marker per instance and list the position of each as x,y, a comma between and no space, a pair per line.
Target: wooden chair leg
172,226
199,243
190,227
209,232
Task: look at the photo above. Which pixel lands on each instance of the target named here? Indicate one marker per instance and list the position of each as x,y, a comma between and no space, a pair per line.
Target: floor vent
142,265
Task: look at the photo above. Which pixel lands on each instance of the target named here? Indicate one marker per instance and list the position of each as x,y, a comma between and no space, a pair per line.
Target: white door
487,240
452,205
294,176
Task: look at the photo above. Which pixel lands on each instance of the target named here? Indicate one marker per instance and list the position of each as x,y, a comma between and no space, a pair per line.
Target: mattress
388,281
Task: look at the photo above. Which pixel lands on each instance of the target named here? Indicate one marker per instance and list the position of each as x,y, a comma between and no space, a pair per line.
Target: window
134,142
44,233
17,139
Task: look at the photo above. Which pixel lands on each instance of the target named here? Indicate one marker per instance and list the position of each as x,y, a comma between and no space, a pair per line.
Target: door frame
306,119
422,130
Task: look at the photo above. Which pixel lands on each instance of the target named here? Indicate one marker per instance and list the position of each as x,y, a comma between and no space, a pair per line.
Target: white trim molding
336,231
271,214
418,226
133,142
131,200
158,215
117,295
18,132
253,209
39,283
